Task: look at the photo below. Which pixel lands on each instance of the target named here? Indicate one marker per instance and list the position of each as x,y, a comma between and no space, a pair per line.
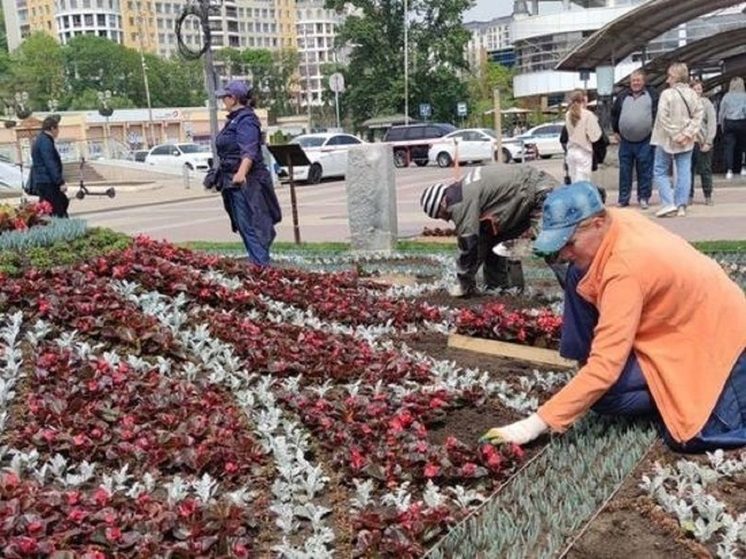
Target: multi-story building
490,40
543,32
150,24
316,29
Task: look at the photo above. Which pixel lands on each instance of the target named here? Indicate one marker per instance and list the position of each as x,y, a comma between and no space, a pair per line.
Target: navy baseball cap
564,208
235,88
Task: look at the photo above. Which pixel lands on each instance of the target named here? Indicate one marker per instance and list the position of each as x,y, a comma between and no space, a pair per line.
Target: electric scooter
83,190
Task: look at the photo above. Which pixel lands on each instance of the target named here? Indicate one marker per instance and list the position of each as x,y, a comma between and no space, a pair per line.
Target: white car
545,137
327,153
11,177
471,144
190,156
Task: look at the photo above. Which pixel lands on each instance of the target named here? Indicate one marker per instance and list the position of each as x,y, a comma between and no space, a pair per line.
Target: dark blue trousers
629,395
635,156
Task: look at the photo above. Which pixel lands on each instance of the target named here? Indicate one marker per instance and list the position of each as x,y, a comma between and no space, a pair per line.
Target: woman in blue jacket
245,183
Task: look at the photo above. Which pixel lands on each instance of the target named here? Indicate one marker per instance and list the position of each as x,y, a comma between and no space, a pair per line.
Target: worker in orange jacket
657,326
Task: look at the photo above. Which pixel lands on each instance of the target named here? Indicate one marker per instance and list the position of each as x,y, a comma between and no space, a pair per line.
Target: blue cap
235,88
564,209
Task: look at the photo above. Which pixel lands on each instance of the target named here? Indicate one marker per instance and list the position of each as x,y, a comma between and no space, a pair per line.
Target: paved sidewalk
167,209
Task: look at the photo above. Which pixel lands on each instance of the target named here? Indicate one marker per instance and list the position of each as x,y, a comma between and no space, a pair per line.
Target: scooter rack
83,190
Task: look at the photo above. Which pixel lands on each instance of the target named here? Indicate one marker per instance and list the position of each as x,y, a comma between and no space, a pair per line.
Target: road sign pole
336,102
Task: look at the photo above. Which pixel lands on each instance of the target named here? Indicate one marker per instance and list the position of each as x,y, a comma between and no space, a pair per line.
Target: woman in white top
676,126
582,131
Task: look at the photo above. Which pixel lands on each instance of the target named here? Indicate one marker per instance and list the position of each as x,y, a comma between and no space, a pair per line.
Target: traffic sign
461,109
337,82
425,110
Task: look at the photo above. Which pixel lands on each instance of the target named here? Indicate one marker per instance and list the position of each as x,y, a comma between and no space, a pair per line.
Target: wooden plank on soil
440,240
393,279
506,349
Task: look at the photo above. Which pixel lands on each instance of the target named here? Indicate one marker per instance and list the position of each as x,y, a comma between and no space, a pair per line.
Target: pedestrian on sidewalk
658,328
702,156
732,120
677,123
583,131
242,177
46,180
632,118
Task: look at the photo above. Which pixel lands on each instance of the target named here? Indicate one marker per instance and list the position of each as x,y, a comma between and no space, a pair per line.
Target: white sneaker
729,175
666,211
743,171
681,212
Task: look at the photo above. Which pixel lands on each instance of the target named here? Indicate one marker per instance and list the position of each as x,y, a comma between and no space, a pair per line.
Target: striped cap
432,197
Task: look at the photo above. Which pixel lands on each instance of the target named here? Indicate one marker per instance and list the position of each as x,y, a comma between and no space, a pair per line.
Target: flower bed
229,403
535,327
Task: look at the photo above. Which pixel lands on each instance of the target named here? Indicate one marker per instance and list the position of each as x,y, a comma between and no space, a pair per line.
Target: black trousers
734,132
51,193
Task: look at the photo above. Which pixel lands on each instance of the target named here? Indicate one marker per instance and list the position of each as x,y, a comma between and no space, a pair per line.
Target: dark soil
443,299
500,368
469,423
633,526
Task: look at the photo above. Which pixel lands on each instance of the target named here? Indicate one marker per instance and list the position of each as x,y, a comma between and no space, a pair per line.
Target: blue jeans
629,395
637,156
250,216
683,161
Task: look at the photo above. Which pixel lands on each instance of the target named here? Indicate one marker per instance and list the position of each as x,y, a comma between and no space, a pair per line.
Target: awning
635,29
704,53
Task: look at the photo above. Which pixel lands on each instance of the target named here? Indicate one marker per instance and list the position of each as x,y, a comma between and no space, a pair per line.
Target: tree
481,86
3,34
96,64
233,61
37,67
274,76
375,75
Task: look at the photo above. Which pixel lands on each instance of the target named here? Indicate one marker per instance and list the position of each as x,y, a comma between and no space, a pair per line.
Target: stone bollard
371,198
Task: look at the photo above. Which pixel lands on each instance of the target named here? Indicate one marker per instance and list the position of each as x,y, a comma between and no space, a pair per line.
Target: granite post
371,198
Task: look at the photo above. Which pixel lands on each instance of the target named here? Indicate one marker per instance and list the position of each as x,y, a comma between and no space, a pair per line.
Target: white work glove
520,432
456,290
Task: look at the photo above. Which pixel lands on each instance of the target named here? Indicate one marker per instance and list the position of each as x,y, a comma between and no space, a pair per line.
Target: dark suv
412,143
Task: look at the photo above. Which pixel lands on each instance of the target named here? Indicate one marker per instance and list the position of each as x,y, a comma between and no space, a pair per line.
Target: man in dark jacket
632,119
488,206
46,171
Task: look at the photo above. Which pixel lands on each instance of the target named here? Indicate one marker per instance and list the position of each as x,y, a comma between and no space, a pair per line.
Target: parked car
11,177
412,142
327,153
190,156
545,137
472,145
139,155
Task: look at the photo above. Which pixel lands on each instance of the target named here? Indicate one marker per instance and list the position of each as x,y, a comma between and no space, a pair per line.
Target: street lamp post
141,30
308,76
406,65
105,110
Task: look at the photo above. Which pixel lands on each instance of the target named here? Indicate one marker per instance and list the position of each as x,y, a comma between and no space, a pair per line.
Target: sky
485,10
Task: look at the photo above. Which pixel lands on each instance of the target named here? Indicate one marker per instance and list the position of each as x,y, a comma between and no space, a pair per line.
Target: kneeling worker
658,327
490,205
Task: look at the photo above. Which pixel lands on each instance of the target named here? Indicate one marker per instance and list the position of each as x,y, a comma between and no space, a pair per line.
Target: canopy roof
635,29
707,53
